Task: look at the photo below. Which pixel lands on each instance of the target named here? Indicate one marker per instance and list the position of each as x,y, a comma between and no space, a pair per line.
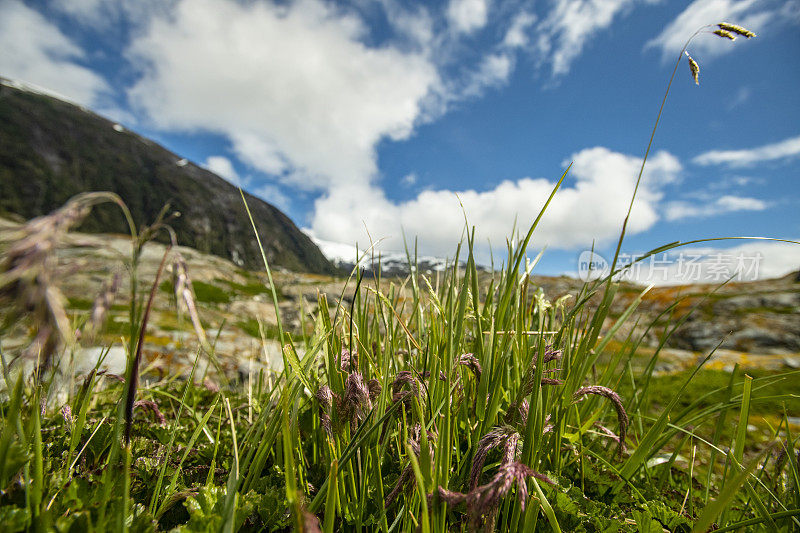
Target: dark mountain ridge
51,150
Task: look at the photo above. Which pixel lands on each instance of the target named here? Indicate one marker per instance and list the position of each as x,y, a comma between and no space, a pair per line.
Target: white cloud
752,14
222,166
568,26
273,195
742,158
592,209
725,204
260,153
752,260
742,95
35,51
409,179
516,36
493,71
415,24
468,15
292,86
102,14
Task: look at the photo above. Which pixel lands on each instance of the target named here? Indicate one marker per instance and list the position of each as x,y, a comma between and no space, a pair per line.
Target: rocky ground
757,322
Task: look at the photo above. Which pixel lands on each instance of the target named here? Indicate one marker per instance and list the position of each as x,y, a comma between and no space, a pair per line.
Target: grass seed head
356,402
496,437
152,408
724,34
310,522
325,397
738,30
374,387
694,68
614,398
348,362
102,304
66,414
470,361
27,272
551,355
404,378
485,500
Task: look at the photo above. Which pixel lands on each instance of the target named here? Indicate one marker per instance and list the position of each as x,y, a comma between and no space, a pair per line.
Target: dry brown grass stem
28,271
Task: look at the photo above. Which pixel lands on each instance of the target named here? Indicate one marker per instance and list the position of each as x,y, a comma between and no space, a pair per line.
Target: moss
210,294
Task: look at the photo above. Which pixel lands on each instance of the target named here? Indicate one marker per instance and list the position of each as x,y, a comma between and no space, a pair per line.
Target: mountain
389,263
51,150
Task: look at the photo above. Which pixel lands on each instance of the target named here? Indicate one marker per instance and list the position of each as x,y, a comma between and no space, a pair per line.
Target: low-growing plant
456,404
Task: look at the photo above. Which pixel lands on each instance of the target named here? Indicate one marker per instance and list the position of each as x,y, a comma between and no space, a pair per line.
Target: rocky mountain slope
51,150
757,321
758,318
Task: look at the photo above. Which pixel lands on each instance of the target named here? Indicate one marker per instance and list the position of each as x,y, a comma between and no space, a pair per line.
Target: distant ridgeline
51,150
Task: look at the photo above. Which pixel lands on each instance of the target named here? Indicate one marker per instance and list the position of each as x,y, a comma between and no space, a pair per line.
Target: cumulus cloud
752,14
569,25
273,195
741,158
35,51
102,14
468,15
222,166
749,261
725,204
589,210
293,86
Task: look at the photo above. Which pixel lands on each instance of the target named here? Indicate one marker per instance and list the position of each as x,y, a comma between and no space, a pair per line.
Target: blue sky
381,115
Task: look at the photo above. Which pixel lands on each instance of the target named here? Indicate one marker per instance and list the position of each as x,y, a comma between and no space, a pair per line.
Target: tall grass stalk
464,401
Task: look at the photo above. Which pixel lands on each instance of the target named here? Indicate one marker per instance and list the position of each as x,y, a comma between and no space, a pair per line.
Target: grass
469,402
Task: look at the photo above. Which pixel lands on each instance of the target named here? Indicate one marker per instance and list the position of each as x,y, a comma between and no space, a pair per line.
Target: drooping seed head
614,398
356,402
152,408
496,437
310,522
325,398
66,414
27,269
725,34
404,378
451,498
405,476
610,434
348,361
102,304
738,30
487,498
375,388
210,385
551,354
694,68
471,362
